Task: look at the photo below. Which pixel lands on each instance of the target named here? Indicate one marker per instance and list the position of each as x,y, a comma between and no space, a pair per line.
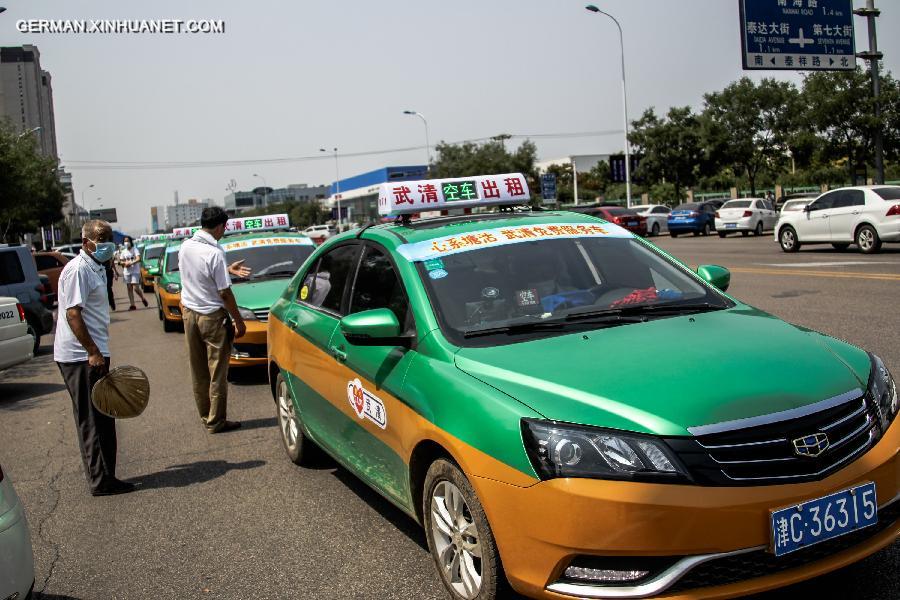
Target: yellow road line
832,274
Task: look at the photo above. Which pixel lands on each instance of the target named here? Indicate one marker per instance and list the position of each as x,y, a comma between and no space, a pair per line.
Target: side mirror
376,327
717,276
806,208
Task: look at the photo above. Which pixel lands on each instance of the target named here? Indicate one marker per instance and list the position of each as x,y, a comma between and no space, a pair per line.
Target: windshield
688,206
559,283
271,261
153,252
737,204
172,259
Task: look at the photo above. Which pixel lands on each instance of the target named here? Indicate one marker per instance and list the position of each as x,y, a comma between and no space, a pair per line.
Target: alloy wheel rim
787,239
866,239
456,540
290,430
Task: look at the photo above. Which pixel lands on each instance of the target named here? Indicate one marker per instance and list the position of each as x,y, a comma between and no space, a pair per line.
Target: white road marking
846,263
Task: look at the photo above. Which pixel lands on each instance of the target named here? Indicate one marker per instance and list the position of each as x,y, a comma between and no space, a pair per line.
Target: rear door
844,215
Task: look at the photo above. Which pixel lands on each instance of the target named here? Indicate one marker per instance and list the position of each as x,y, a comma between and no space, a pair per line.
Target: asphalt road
228,516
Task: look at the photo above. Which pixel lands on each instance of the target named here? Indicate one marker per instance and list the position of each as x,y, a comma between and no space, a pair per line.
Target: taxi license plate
730,225
6,314
824,518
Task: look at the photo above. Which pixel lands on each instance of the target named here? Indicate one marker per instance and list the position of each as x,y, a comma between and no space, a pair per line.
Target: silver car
16,559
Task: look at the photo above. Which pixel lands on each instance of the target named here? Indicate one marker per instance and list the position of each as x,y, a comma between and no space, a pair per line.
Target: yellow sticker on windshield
304,292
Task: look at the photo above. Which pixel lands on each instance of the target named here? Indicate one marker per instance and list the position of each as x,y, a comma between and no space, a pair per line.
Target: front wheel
673,234
296,445
759,229
788,240
722,234
867,239
459,536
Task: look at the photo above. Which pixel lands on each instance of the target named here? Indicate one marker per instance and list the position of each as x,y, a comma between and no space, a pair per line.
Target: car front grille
741,567
250,350
261,315
765,454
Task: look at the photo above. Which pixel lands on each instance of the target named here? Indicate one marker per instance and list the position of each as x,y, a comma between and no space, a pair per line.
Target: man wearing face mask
81,350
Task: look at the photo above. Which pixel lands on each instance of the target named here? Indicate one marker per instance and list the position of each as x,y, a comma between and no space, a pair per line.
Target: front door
813,226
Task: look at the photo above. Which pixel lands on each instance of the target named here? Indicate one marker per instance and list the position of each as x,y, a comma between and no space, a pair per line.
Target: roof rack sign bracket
404,198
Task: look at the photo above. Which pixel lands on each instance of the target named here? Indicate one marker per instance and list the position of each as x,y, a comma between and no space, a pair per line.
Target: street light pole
24,133
265,189
593,8
873,56
337,187
83,206
427,144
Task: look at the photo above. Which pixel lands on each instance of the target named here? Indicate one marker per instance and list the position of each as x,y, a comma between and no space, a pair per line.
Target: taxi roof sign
406,197
154,237
243,225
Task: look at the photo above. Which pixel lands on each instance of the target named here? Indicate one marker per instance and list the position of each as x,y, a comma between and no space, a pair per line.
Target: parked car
657,217
319,233
16,344
810,196
795,205
745,215
19,278
863,215
17,565
51,264
68,248
623,217
693,217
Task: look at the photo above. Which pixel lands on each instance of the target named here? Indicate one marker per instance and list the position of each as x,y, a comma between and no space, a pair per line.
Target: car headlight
883,392
565,450
246,314
173,288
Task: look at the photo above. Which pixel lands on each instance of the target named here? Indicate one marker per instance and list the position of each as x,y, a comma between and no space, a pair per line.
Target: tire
654,231
159,309
722,234
745,233
840,247
296,445
169,326
37,339
448,492
673,234
759,229
787,238
867,239
706,229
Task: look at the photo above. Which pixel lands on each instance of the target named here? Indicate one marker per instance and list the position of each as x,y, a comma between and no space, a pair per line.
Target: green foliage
488,158
301,214
672,149
30,193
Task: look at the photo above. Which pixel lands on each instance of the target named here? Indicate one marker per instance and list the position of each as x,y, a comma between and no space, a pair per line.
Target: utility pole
873,56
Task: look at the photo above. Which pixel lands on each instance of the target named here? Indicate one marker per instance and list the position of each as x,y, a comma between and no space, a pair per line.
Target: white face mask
128,244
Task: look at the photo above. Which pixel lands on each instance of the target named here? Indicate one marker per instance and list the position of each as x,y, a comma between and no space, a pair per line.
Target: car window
10,268
44,261
708,208
853,198
325,282
378,285
687,206
825,201
737,204
888,193
660,210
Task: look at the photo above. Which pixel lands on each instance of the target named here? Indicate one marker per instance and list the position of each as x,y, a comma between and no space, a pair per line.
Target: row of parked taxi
865,216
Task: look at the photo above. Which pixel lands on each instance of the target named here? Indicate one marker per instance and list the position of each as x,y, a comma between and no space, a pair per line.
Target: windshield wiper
667,308
604,320
272,274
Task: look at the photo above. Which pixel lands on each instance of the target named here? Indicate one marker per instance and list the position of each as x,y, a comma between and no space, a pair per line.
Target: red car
623,217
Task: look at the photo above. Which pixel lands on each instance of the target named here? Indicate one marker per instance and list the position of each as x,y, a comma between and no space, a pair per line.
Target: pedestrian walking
112,274
130,259
211,317
81,350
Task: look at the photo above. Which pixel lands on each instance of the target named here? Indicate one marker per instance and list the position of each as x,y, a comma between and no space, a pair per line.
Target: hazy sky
291,76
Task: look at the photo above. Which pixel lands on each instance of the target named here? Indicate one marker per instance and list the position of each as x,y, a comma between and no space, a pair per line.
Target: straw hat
122,393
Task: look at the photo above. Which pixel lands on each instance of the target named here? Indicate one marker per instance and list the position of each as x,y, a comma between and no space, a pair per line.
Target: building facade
358,195
262,197
26,96
182,215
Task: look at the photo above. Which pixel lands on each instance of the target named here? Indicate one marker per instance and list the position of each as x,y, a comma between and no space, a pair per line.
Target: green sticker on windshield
433,264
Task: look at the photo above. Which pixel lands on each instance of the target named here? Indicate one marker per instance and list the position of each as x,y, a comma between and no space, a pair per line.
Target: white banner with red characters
501,236
241,224
405,197
266,241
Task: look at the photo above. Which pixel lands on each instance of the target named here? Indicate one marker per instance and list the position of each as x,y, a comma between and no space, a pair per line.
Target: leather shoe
226,426
113,488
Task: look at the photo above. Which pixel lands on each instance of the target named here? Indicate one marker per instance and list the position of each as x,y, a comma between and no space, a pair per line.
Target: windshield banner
267,241
488,238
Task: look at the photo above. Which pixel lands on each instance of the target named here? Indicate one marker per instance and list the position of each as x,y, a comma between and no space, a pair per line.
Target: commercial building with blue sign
358,195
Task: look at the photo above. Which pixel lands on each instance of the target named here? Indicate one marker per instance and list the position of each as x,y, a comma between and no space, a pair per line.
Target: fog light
604,575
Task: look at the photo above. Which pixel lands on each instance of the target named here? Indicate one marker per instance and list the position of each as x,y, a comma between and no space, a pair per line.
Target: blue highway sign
798,35
548,187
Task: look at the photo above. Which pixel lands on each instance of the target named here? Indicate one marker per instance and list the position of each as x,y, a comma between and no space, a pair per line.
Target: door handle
338,353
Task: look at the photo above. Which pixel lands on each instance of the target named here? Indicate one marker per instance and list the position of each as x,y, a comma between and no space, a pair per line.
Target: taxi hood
668,374
258,295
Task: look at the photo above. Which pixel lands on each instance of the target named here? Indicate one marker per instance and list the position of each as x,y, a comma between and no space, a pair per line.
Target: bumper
742,224
17,566
39,317
567,518
250,349
685,226
170,305
14,352
889,231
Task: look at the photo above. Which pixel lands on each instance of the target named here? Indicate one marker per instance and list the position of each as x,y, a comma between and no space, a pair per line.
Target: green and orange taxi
486,373
151,251
273,254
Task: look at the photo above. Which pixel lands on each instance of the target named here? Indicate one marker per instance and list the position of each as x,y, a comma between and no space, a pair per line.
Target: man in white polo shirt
81,350
211,317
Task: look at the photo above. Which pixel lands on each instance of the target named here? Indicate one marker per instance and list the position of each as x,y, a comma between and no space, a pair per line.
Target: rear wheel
867,239
296,445
722,234
759,229
706,229
654,231
37,339
673,234
459,536
788,239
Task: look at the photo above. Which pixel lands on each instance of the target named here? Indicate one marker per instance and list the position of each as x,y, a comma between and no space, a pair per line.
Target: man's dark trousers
96,431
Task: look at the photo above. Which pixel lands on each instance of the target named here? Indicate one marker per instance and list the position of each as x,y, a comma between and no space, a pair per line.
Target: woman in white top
130,259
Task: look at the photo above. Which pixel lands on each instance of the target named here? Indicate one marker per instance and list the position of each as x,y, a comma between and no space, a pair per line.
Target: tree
672,149
30,192
750,126
488,158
